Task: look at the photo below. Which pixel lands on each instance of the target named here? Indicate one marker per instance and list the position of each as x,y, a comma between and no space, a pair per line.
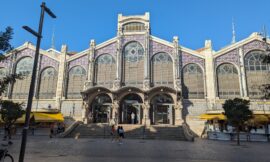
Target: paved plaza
43,149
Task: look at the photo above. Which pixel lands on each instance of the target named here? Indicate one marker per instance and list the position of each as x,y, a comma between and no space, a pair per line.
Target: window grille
48,83
162,70
193,82
21,87
227,81
76,79
257,73
105,70
133,64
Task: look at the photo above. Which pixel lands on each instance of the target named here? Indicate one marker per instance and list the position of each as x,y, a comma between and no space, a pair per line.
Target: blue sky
192,21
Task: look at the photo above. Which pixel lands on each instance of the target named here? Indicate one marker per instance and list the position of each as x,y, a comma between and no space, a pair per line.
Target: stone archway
130,109
162,109
100,109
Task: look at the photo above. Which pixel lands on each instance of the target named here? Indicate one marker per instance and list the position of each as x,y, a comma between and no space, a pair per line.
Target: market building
137,78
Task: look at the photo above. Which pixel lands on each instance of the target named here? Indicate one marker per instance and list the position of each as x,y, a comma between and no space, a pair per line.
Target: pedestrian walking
51,130
113,133
121,135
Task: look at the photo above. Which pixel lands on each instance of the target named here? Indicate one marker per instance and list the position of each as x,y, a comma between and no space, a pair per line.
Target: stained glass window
227,81
162,69
257,73
3,72
193,82
133,69
105,70
48,83
25,66
76,79
21,87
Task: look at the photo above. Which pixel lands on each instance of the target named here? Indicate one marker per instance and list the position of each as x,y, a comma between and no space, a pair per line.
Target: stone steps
166,132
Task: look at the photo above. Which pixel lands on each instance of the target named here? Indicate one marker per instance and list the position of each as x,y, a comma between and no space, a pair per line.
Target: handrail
187,132
69,129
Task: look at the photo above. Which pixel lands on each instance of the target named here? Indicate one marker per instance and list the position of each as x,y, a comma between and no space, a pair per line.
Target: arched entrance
131,109
161,110
100,109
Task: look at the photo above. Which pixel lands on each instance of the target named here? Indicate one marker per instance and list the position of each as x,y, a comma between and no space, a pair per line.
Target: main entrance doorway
100,111
161,111
130,109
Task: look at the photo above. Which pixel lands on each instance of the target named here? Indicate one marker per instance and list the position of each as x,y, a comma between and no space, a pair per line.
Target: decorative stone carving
178,84
256,44
189,58
231,56
116,84
110,49
156,47
82,61
88,84
146,84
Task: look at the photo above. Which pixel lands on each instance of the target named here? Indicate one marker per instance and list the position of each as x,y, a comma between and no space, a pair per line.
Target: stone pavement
43,149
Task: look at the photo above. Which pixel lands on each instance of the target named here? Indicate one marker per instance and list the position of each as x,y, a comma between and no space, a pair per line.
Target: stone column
91,64
115,112
210,74
178,113
117,81
85,112
146,82
243,83
61,77
146,113
177,82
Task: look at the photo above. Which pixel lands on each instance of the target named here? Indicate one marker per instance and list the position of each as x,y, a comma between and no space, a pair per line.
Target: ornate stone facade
145,80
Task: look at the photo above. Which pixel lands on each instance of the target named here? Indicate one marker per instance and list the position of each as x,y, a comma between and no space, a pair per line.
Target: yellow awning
213,116
260,118
48,117
22,119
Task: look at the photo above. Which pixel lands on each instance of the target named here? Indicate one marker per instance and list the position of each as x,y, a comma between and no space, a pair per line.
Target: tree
6,47
238,113
10,112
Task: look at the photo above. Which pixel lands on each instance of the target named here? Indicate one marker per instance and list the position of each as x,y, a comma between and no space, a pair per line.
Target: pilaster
61,76
243,83
146,113
176,67
146,82
210,74
178,108
91,65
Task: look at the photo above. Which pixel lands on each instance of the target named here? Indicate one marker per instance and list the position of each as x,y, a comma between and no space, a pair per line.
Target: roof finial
264,33
233,32
53,45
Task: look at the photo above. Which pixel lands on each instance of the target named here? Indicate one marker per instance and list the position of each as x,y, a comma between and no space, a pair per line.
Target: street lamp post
33,78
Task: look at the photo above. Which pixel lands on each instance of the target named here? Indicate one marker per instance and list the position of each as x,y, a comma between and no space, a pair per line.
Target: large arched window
162,69
76,79
21,87
227,81
257,73
3,73
133,64
193,82
105,70
48,83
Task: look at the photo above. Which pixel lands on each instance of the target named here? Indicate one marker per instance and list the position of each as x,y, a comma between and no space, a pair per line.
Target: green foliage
10,112
237,111
5,46
5,38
